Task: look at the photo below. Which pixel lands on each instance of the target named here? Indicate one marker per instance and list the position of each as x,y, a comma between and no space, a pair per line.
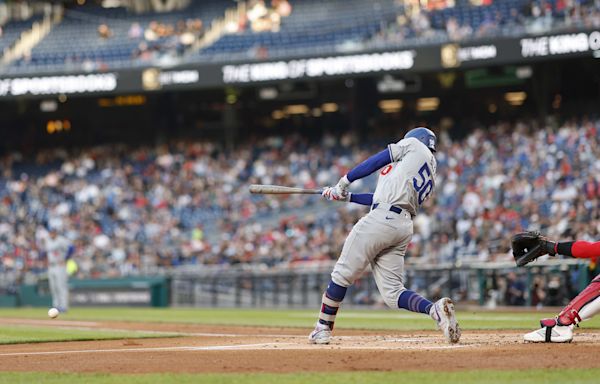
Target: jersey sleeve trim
361,198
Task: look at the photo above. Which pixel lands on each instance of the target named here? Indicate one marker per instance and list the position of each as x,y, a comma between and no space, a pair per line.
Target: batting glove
331,193
339,192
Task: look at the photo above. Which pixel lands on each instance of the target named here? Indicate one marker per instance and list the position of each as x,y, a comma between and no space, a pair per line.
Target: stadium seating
313,27
324,27
76,40
12,31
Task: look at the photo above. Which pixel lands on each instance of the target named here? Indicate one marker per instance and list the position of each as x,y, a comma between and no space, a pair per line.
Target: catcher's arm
528,246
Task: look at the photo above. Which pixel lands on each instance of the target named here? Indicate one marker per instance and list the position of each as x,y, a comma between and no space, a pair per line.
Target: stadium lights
277,114
391,106
428,104
296,109
329,107
269,93
122,101
524,72
515,98
48,106
55,126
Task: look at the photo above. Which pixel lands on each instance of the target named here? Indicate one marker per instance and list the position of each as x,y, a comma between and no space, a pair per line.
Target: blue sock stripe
329,310
325,322
335,292
414,302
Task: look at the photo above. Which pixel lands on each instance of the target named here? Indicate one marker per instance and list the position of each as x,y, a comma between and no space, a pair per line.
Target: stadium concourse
131,209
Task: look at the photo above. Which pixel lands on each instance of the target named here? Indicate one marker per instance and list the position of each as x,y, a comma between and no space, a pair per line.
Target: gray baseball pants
379,239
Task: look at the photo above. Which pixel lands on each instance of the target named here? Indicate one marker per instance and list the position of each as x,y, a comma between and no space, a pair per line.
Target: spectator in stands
421,24
453,29
554,293
135,31
515,290
282,7
104,31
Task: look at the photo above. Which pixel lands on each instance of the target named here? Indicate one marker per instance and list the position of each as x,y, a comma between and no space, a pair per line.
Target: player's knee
390,297
342,279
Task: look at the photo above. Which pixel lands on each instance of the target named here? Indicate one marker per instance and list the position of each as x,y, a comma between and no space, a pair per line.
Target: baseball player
58,250
528,246
380,238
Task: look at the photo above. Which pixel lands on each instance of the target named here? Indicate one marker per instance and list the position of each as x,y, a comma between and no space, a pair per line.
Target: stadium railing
302,286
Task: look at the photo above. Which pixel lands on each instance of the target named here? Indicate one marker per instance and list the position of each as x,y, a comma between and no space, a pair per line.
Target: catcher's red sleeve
585,249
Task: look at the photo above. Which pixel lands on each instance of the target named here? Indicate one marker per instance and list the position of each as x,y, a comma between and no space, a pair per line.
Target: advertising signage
209,75
319,67
62,84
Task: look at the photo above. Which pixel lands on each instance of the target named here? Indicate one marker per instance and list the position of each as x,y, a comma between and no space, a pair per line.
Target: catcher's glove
528,246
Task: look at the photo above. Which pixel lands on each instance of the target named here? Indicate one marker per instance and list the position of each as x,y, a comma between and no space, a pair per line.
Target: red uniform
585,250
575,312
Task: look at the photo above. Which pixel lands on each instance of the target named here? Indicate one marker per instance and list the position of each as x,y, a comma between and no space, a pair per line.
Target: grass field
348,319
584,376
355,319
27,334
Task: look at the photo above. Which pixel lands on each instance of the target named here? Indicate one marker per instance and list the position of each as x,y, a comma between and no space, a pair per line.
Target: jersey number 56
423,183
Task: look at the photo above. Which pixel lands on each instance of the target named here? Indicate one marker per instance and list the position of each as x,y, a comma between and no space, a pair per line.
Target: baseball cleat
321,335
555,334
443,313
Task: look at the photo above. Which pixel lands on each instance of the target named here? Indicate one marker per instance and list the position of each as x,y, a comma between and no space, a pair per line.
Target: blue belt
392,208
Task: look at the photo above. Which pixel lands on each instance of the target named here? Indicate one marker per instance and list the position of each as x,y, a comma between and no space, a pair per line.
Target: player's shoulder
413,144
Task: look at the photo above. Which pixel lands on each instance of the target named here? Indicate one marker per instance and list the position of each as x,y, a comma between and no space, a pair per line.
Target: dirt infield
251,349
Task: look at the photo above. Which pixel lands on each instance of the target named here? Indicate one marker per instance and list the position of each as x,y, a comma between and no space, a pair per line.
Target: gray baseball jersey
409,180
380,238
56,249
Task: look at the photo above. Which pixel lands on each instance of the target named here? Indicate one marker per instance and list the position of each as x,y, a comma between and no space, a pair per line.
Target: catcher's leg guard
560,329
584,306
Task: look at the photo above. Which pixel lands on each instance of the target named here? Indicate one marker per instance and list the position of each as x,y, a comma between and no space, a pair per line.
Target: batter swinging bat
281,190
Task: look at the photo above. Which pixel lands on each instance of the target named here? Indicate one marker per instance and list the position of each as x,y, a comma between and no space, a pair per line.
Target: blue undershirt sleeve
370,165
361,198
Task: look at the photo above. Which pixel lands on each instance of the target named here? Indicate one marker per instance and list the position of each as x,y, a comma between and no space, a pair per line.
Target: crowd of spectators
415,20
128,210
159,38
263,17
164,38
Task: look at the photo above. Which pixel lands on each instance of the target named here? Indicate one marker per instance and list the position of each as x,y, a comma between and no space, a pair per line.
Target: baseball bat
281,190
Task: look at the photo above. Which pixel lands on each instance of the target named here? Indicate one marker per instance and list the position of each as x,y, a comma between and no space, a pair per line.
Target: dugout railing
551,282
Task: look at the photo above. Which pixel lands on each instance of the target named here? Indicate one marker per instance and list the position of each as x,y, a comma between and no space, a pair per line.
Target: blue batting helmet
424,135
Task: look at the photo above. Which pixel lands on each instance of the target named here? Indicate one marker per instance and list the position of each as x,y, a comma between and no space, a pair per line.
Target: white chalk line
147,349
246,347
